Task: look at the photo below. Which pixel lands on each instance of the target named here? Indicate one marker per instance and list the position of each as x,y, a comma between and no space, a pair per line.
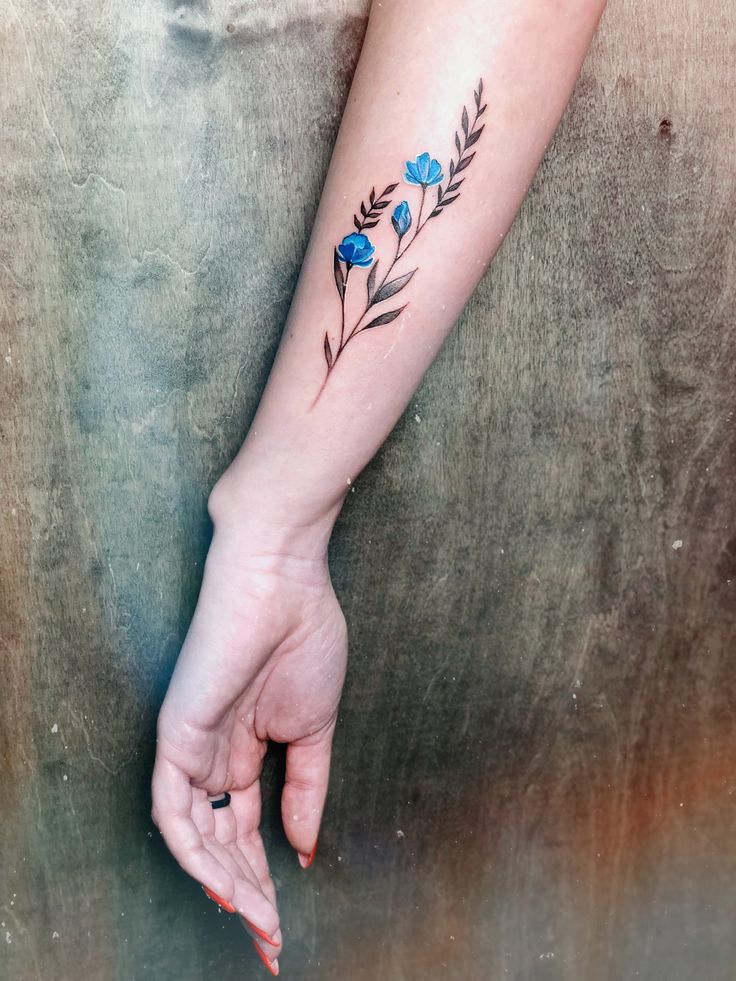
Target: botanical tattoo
357,252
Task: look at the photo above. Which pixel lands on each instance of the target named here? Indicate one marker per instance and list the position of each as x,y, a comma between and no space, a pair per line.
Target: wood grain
535,767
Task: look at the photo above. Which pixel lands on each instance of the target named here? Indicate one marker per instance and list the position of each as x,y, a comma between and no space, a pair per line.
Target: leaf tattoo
390,289
371,215
385,318
371,282
339,278
472,135
357,251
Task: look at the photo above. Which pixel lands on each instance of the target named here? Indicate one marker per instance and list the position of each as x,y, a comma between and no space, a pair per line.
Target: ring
220,802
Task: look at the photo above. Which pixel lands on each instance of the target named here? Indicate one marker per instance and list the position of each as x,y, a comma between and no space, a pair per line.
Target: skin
264,658
265,655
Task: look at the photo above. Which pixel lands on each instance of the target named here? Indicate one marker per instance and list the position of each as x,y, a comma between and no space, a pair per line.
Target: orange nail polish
228,907
273,966
261,933
306,862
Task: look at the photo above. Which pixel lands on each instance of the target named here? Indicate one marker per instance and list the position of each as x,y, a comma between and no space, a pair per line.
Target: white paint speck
677,544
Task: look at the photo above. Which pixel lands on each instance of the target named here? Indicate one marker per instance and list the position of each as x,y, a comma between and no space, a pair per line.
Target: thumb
303,797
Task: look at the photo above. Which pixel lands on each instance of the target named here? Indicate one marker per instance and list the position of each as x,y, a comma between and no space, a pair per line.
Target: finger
247,897
225,846
246,848
173,799
305,790
250,851
186,820
232,858
223,852
273,966
246,806
272,946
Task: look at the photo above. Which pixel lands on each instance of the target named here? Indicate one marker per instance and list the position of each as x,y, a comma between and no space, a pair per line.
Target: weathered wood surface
535,768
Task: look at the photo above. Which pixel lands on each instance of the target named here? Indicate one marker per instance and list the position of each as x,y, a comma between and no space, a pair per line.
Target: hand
264,658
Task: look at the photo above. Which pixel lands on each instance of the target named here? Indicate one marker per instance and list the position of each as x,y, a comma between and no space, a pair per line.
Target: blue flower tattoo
401,219
424,172
357,250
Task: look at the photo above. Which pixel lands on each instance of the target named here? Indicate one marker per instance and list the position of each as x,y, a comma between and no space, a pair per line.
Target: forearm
349,363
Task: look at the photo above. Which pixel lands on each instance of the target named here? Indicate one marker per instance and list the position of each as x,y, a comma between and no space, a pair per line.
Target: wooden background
535,766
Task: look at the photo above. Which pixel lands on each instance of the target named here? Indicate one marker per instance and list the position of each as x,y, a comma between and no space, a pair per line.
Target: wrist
267,511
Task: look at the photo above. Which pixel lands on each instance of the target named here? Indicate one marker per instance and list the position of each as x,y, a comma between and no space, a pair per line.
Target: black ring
220,802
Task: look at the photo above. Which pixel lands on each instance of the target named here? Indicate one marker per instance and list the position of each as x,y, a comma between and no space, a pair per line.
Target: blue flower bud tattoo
401,219
357,251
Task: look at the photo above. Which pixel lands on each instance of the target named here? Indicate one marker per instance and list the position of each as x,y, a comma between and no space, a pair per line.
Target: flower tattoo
357,251
401,219
423,171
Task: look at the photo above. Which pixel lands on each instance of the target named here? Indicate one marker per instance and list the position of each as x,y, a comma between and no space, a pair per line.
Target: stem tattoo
356,249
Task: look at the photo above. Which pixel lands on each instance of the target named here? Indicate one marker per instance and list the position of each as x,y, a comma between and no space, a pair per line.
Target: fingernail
228,907
273,965
304,860
261,933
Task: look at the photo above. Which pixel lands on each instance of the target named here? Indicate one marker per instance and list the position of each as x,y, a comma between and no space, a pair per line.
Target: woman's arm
450,112
422,65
